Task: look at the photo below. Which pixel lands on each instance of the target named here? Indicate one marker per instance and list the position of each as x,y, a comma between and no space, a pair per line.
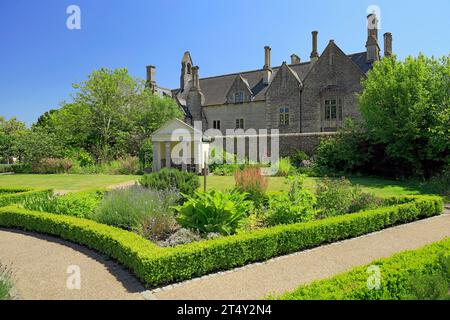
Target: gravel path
287,273
40,266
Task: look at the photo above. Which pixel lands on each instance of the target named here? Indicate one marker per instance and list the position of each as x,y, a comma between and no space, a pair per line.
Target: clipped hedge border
157,266
395,271
11,195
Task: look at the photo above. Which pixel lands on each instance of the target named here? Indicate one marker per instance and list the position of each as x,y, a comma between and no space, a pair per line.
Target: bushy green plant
213,211
128,165
298,158
339,196
285,167
171,179
225,169
439,184
147,212
253,183
53,165
297,205
79,204
18,195
5,282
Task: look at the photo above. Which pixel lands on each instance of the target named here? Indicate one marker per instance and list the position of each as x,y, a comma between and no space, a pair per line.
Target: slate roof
215,89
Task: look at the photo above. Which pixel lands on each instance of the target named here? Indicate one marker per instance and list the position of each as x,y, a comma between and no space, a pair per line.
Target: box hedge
156,266
395,276
11,195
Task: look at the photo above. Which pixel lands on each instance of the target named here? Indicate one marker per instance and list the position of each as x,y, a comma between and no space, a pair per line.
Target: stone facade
298,98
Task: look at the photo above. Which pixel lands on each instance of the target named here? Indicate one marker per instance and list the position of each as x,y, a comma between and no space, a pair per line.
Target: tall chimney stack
195,78
373,49
151,81
388,44
314,53
267,58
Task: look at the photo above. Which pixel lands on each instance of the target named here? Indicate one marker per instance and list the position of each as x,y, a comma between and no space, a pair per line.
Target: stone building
302,100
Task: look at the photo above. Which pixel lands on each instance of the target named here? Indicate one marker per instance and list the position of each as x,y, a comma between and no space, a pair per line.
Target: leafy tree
11,132
406,112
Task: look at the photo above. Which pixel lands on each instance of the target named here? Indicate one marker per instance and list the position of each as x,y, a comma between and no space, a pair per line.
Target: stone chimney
267,67
195,78
151,81
267,58
388,44
295,59
373,49
314,54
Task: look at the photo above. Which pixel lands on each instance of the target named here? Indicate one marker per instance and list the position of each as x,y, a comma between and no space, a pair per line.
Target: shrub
181,236
147,212
339,196
129,165
213,211
53,165
298,158
6,168
298,205
395,282
251,181
284,167
79,204
439,184
5,283
225,169
21,168
17,195
171,179
157,266
348,151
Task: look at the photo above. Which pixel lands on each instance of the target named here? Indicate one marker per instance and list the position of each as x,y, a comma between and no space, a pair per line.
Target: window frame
332,109
284,116
241,96
240,123
216,124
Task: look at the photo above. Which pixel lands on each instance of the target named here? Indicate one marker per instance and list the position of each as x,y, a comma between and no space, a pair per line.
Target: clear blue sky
40,58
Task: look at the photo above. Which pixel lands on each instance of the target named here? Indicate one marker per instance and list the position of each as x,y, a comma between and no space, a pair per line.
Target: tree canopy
406,108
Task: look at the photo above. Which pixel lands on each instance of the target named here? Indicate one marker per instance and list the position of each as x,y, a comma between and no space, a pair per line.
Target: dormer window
239,97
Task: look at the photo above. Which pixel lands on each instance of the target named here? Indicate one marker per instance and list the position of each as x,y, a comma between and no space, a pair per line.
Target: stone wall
289,143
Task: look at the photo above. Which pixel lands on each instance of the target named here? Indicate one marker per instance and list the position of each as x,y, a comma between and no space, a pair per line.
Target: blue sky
40,58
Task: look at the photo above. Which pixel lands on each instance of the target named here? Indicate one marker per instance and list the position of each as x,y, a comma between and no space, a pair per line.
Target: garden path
42,266
286,273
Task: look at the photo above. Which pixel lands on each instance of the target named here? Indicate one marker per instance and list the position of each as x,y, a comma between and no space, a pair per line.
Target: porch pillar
156,157
168,158
198,156
185,156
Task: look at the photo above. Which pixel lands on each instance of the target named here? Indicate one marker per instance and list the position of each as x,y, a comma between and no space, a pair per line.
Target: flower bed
396,273
156,266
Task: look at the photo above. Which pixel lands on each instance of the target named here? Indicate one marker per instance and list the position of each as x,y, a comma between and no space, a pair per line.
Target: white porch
178,145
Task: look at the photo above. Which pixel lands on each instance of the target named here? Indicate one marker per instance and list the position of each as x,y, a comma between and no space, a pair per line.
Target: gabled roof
215,89
173,129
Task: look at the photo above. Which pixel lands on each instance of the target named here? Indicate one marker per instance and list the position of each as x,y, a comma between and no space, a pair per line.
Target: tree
406,111
122,112
11,132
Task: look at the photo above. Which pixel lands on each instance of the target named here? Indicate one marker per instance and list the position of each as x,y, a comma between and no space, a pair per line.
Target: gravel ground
40,266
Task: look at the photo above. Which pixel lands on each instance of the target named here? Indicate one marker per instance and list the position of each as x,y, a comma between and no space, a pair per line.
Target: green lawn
67,182
379,187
